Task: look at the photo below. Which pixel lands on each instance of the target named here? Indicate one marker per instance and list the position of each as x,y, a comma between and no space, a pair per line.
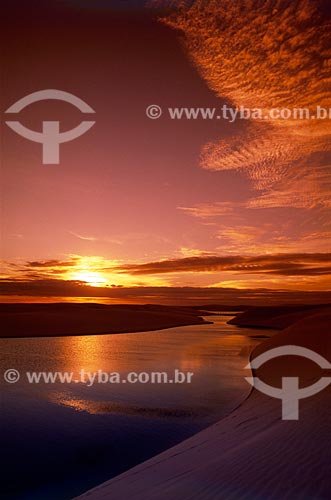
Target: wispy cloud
207,210
266,54
193,252
81,237
246,228
40,264
281,264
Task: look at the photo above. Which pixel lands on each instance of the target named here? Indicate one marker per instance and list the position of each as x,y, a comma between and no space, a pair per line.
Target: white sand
252,454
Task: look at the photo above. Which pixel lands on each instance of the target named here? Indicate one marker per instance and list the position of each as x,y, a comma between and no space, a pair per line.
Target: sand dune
252,454
47,320
278,317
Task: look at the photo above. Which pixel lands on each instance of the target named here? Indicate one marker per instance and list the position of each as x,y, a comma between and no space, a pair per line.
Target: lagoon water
60,439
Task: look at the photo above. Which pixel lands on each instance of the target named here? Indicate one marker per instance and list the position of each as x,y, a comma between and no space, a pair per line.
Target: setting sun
91,278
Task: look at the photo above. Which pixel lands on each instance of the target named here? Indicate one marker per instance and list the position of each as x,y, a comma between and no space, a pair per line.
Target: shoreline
104,333
244,454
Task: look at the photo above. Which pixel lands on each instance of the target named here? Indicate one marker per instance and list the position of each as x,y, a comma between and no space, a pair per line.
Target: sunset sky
136,202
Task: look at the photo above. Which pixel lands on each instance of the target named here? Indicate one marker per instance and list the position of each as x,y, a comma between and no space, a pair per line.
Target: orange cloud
282,264
85,270
263,54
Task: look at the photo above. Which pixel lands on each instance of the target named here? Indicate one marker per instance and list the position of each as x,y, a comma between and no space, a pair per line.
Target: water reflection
84,352
66,431
112,407
216,354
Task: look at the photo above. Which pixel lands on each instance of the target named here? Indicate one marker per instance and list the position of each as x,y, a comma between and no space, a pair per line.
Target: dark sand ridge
277,317
48,320
61,319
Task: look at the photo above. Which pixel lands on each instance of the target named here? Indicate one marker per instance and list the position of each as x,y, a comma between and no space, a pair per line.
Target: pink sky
135,191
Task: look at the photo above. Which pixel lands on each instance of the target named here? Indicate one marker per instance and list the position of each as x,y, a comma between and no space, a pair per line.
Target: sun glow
91,278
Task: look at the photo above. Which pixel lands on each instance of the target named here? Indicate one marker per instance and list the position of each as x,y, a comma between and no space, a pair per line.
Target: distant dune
252,454
49,320
278,317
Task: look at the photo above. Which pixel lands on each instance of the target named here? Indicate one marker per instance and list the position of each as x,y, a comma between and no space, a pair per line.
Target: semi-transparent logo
50,137
290,393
